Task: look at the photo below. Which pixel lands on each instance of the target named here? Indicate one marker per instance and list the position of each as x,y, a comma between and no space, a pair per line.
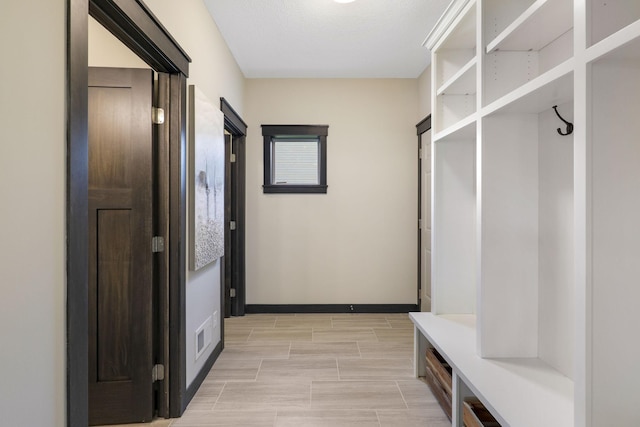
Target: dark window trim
269,132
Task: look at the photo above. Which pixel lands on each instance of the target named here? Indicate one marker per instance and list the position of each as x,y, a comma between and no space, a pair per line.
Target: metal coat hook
569,125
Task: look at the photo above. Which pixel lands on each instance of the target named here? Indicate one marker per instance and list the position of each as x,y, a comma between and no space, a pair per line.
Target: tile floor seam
378,417
218,397
402,395
248,336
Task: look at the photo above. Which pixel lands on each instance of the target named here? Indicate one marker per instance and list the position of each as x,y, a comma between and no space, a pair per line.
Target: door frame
134,24
421,128
235,244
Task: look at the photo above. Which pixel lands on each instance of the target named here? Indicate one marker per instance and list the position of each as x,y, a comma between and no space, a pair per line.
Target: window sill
295,189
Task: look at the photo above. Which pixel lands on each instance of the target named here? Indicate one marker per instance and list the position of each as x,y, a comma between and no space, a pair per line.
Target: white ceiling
322,38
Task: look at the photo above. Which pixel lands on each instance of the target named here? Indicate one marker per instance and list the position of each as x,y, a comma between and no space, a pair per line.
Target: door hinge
232,225
157,116
419,224
232,292
420,153
157,373
157,244
233,158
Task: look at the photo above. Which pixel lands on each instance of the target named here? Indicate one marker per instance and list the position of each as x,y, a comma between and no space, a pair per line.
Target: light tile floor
311,370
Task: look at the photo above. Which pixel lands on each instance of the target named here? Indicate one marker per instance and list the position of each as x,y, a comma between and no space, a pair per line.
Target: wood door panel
111,143
120,257
114,295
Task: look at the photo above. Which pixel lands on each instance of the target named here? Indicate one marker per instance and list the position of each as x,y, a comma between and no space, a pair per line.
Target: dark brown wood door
120,257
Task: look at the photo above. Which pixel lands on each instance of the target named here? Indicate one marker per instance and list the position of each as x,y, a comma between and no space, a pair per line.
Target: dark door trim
177,368
138,28
134,24
421,128
235,245
424,125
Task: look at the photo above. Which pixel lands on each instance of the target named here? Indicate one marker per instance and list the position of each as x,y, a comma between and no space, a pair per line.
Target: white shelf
518,392
551,88
461,83
543,22
463,129
626,37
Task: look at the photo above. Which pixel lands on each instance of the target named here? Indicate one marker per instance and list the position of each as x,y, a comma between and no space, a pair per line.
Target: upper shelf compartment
455,49
606,18
528,39
539,25
455,57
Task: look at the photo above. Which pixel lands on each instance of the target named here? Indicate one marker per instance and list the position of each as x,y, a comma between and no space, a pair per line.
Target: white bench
519,392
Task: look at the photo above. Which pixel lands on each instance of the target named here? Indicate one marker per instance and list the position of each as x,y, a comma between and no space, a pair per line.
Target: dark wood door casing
235,195
120,256
136,26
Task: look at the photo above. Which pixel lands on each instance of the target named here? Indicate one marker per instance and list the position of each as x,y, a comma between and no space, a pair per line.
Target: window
295,158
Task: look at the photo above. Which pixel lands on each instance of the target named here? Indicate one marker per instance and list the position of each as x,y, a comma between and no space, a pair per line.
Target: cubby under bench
518,392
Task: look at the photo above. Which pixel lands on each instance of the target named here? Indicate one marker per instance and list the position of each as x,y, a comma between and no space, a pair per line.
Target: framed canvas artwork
206,148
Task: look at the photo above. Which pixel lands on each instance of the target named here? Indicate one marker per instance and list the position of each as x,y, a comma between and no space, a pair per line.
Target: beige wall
214,71
32,213
356,244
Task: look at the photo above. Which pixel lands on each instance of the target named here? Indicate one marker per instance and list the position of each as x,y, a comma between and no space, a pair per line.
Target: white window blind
295,161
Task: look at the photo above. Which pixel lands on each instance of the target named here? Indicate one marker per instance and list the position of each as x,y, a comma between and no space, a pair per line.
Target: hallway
315,370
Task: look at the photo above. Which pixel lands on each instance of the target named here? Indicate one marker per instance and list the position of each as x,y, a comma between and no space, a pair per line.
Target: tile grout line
219,394
249,336
401,394
258,371
378,417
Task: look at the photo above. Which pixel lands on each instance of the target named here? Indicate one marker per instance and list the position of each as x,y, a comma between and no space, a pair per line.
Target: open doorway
424,214
234,239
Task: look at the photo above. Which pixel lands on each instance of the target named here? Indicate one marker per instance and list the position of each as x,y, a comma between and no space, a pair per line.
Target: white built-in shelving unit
536,235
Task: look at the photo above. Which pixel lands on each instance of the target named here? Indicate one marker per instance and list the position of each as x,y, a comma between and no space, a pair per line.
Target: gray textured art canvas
206,137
